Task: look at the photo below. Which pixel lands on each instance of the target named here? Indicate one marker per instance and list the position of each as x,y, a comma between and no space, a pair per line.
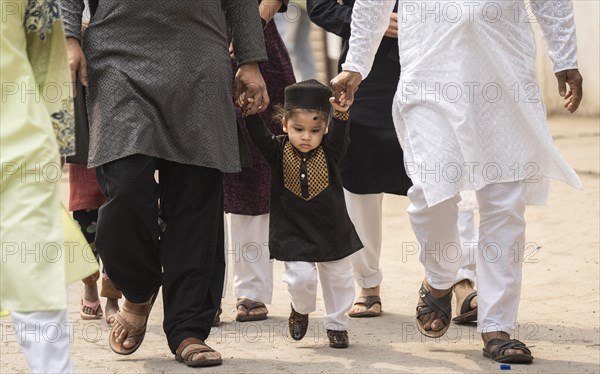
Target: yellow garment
33,61
80,260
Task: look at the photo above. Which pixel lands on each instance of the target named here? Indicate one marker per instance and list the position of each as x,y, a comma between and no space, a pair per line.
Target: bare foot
487,336
430,323
361,308
111,308
463,289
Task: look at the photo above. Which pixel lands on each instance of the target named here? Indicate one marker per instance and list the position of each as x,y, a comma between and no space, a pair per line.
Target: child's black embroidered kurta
308,219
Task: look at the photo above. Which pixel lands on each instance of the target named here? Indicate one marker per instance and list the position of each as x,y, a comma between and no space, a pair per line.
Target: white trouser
45,339
337,285
252,269
365,211
294,28
467,231
500,252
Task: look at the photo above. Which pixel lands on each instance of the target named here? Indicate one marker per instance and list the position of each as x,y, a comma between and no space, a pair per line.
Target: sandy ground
559,313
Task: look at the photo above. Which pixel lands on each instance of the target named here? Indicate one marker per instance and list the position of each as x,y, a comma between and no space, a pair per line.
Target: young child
309,226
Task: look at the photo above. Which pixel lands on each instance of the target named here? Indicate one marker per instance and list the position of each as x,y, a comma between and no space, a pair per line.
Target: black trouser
186,256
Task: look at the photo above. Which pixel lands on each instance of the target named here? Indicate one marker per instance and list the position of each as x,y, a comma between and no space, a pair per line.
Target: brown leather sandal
189,348
94,306
248,305
133,331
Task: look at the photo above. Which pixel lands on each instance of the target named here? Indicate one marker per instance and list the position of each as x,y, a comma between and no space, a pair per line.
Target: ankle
487,336
373,291
463,285
90,292
437,293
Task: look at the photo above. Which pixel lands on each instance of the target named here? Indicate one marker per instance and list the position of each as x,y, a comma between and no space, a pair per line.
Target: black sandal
497,354
442,307
466,313
368,302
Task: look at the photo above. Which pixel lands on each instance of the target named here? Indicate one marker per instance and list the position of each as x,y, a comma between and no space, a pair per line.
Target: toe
437,325
121,335
473,303
258,311
129,343
427,321
358,308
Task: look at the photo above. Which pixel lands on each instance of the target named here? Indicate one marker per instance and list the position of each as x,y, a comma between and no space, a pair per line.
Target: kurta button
304,159
302,176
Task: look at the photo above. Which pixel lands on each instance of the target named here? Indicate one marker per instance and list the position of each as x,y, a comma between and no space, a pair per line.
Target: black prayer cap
310,94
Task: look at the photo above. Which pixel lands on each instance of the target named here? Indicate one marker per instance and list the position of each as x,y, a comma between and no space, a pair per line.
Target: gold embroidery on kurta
317,173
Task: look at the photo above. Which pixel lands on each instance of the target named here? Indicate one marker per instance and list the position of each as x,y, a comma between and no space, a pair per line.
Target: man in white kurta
469,115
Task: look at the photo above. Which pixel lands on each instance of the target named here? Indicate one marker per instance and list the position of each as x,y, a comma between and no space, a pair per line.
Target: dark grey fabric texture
160,80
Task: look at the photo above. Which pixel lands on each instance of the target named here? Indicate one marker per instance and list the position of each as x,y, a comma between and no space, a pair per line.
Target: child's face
305,130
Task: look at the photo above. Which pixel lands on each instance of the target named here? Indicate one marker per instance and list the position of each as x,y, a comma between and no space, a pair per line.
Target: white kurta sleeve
370,20
557,21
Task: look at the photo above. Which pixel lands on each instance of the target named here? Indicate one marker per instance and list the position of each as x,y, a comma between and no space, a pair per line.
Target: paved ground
559,313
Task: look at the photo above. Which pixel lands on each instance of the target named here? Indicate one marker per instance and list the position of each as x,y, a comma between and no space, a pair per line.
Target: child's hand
337,106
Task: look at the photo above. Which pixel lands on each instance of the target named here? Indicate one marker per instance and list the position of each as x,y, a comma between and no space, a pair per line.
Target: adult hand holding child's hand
337,106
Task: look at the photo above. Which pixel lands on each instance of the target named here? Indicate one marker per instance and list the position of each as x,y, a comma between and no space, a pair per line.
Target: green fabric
46,49
33,259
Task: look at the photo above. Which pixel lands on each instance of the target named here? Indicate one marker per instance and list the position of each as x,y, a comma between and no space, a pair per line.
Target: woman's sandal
189,348
501,345
248,305
136,332
442,307
466,313
93,305
368,302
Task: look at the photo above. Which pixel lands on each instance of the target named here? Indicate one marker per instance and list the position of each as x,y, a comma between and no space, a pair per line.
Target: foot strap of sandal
249,304
185,351
503,345
368,301
429,304
466,304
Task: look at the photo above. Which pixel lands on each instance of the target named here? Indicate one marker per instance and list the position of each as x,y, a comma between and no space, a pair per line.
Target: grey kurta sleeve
72,11
244,22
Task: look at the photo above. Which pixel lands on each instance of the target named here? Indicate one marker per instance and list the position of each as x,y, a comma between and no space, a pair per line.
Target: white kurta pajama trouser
365,211
45,338
469,116
336,283
252,268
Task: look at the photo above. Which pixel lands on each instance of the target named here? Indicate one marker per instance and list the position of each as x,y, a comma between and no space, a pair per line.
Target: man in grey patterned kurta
160,98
